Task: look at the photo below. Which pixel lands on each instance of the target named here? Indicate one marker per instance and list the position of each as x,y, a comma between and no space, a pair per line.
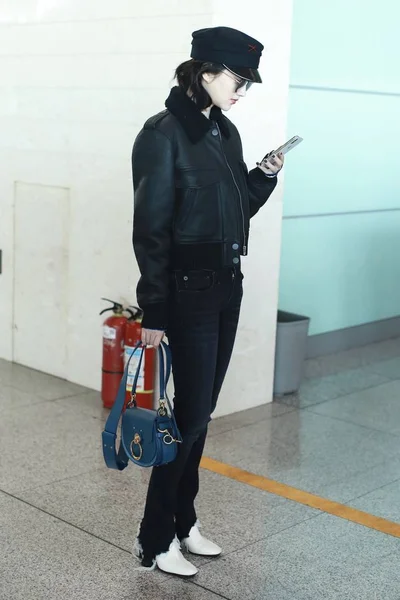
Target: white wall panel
41,278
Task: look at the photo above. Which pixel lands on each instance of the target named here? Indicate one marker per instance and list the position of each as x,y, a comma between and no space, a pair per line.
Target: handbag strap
119,460
164,378
113,459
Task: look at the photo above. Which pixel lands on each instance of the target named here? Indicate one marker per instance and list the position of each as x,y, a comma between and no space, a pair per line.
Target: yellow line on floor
291,493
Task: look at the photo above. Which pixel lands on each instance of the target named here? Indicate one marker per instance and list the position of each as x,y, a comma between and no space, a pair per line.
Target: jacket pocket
196,178
198,214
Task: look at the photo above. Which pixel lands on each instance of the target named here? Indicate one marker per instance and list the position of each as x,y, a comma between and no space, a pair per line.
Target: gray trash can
290,352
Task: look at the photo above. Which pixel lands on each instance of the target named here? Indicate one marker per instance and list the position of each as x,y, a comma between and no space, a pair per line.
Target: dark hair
189,75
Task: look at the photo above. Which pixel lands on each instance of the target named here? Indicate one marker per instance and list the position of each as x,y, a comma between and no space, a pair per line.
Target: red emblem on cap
252,48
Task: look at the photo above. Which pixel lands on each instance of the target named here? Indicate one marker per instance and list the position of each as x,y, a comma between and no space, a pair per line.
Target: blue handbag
149,438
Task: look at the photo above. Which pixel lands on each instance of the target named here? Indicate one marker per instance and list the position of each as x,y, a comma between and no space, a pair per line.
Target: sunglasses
240,82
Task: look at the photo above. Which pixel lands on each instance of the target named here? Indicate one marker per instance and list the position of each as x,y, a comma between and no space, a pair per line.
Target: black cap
237,51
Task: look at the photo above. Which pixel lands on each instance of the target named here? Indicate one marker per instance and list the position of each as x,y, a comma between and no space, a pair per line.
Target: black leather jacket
193,199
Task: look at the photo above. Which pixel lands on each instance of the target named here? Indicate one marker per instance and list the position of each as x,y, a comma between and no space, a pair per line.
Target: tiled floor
67,523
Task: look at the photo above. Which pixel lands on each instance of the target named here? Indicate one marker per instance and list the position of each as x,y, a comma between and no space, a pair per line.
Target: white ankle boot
174,562
197,544
171,561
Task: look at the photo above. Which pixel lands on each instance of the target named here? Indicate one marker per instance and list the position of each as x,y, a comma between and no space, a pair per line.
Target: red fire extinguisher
113,351
145,384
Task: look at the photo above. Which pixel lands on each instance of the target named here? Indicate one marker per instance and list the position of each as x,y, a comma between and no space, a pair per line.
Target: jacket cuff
259,177
155,316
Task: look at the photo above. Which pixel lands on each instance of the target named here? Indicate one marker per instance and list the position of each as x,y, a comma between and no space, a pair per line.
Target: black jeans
204,314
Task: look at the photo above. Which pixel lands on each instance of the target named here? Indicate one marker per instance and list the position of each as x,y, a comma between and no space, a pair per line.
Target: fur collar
195,124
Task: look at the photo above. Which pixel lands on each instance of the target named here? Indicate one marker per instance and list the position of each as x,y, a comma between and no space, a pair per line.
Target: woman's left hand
272,164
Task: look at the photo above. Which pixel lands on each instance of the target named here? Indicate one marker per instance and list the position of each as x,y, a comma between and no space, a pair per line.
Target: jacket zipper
238,190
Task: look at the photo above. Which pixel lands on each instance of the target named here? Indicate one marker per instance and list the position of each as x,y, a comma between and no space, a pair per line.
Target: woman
193,201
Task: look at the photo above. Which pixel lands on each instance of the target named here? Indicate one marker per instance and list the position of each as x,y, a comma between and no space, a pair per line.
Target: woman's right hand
152,337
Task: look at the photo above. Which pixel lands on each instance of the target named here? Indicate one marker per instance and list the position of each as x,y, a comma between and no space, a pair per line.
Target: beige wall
78,80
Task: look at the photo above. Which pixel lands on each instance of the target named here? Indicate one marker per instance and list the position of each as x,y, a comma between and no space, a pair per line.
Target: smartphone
285,148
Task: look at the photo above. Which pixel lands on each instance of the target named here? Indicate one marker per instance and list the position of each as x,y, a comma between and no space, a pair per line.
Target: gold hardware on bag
132,401
136,442
168,439
162,411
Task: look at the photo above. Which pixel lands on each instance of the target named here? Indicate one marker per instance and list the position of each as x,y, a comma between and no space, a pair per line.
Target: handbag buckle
136,442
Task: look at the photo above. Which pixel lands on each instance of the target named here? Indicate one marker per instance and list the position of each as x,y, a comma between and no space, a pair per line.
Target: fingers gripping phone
285,148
